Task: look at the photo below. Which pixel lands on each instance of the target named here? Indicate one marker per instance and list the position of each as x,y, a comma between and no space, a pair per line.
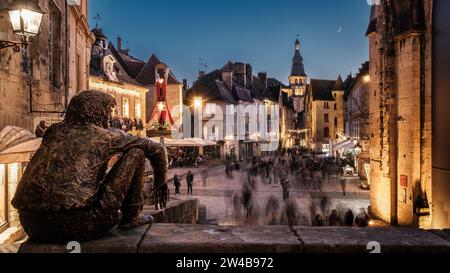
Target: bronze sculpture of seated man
67,194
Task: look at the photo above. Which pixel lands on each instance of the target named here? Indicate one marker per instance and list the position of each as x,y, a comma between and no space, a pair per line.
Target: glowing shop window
137,109
13,180
125,107
2,195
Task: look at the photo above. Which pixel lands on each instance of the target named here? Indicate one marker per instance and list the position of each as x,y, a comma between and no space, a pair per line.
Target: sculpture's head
91,107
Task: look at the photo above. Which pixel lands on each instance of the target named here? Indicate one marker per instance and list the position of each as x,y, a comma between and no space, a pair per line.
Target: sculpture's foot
145,219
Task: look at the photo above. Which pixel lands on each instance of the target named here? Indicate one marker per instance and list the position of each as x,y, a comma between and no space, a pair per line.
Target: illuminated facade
238,111
109,76
324,113
408,113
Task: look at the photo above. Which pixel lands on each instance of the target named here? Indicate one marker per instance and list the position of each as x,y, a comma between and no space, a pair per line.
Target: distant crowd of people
182,159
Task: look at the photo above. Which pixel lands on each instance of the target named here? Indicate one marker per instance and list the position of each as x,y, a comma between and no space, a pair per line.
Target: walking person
344,186
227,169
204,174
177,184
190,182
286,186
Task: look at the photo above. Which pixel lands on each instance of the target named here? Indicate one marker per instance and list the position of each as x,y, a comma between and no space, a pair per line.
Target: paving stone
219,239
355,240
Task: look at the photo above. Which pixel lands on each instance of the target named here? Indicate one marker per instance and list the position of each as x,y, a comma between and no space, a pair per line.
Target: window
137,109
54,52
125,107
78,73
326,132
14,176
247,124
335,106
326,118
335,121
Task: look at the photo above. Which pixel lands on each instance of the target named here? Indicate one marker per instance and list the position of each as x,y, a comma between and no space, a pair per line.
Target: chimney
249,72
201,74
263,77
119,43
227,78
185,85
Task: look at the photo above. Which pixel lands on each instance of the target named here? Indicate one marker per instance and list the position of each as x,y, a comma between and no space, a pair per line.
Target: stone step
176,238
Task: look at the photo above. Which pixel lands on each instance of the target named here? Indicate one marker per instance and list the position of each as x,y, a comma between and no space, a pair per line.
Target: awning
187,142
20,153
17,145
11,136
347,145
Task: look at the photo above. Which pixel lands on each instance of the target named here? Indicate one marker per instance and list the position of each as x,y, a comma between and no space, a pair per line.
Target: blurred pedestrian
190,182
177,184
286,186
204,174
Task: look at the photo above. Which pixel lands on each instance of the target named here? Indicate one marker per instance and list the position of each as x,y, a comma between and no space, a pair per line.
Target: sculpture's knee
135,155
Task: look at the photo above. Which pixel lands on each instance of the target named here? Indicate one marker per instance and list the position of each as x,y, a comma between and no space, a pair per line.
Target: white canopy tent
20,153
344,145
188,142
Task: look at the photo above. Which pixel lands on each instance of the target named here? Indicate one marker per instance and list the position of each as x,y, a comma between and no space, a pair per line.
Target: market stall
17,146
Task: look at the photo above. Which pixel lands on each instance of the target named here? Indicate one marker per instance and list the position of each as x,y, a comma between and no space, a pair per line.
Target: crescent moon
339,29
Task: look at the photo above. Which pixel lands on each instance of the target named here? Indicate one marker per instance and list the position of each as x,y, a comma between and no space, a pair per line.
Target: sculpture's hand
157,154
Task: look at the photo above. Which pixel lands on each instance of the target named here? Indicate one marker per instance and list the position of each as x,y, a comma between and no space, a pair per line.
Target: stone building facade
108,75
403,189
324,113
238,111
59,65
357,123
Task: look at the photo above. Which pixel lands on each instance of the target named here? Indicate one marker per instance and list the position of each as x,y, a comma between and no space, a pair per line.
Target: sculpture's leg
123,188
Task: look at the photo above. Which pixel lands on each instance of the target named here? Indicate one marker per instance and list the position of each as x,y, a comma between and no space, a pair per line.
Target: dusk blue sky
260,32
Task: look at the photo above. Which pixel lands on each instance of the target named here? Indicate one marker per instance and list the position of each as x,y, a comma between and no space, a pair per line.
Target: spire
339,85
298,69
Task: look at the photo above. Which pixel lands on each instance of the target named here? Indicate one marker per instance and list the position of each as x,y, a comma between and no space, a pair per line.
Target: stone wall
178,212
400,118
48,99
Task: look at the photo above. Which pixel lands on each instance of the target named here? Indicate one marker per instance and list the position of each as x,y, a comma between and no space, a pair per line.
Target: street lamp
366,78
26,17
198,102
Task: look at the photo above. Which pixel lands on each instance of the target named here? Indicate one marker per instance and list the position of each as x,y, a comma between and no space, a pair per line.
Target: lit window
137,109
54,45
125,107
13,180
2,195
